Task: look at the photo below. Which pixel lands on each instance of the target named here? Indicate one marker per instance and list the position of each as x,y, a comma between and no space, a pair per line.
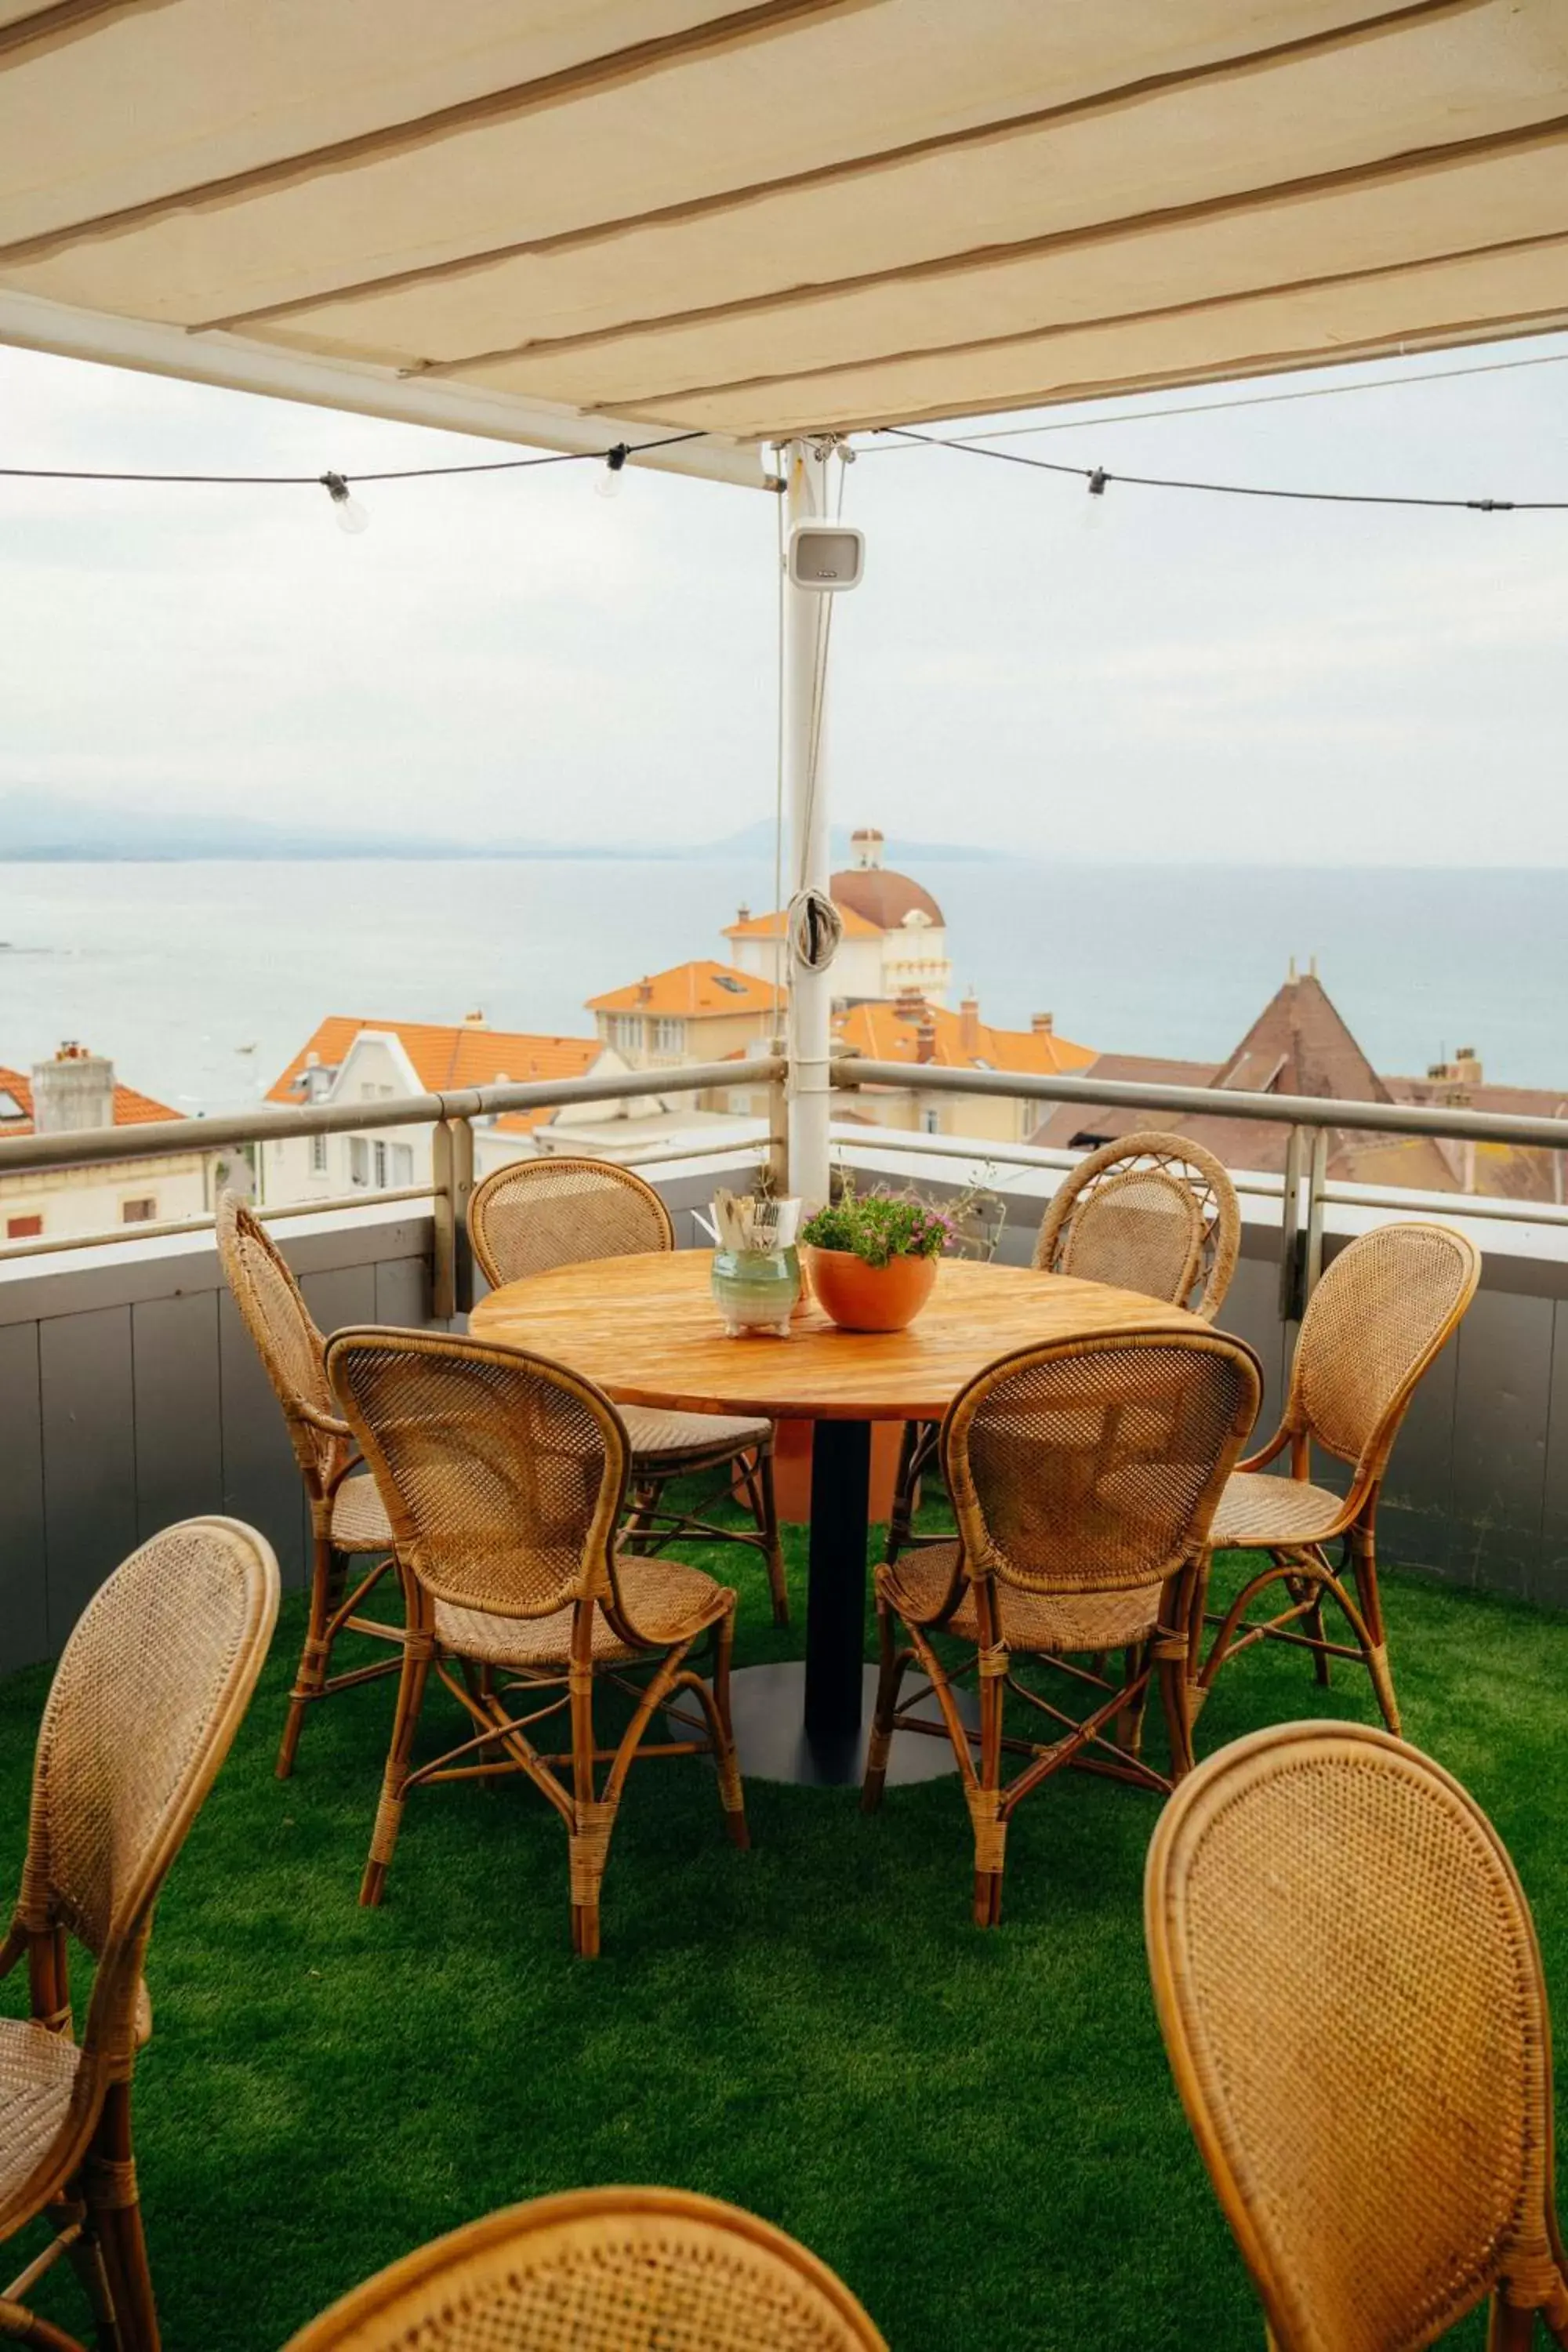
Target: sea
202,980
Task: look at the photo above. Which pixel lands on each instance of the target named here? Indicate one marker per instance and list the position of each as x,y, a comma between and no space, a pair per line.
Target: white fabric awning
571,221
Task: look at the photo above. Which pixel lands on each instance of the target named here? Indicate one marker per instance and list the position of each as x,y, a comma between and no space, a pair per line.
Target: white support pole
806,632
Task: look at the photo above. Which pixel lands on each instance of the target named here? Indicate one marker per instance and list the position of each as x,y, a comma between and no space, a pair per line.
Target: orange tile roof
131,1109
693,991
887,1030
771,926
447,1053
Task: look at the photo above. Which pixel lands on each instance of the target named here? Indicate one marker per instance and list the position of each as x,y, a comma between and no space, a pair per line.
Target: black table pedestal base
767,1704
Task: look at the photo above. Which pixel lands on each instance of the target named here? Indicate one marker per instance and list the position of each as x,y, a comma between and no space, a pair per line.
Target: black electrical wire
1097,477
402,474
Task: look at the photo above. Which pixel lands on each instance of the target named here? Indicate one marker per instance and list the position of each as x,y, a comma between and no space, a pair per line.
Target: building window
670,1036
318,1155
625,1031
403,1165
376,1094
379,1154
23,1229
359,1160
141,1212
932,1122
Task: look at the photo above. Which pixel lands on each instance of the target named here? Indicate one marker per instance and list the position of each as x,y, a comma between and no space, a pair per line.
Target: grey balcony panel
403,1293
260,1477
87,1382
177,1398
1552,1583
345,1295
1500,1438
1416,1516
24,1614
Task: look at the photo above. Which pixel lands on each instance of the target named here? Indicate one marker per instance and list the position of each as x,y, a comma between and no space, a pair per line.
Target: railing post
778,1124
1317,1178
1290,1231
452,1174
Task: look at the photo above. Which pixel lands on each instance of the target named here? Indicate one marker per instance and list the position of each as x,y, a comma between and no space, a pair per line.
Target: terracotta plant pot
861,1297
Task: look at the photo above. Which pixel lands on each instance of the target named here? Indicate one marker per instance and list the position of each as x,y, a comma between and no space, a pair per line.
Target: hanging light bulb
350,515
608,485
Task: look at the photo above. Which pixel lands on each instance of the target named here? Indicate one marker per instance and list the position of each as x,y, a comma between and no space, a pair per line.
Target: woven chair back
291,1347
1380,1314
502,1474
538,1214
1351,1994
1150,1213
146,1698
1093,1466
603,2270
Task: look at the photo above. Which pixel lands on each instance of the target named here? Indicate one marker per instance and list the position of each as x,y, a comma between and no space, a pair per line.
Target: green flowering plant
877,1226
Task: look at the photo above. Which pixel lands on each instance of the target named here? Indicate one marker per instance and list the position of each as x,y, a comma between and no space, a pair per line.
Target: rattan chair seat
1257,1510
660,1436
359,1516
1051,1622
38,2074
667,1601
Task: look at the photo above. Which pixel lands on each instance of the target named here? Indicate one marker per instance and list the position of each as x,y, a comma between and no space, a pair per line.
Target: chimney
742,914
644,992
1043,1024
925,1037
969,1026
1290,975
76,1090
473,1019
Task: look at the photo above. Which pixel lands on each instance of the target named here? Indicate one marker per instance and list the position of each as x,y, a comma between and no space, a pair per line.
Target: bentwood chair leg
114,2217
309,1680
20,2326
903,1493
1509,2328
588,1840
990,1829
768,1523
417,1653
1172,1673
86,2257
1364,1567
889,1675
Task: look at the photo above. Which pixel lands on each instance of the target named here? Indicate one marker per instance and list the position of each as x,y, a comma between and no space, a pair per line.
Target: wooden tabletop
647,1330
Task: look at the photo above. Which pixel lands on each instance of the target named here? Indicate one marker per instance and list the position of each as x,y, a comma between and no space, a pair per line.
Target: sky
1156,676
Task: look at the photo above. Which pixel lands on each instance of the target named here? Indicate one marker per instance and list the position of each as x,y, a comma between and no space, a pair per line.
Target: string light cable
350,515
1096,477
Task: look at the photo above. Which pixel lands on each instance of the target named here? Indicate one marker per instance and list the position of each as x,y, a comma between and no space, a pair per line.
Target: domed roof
882,896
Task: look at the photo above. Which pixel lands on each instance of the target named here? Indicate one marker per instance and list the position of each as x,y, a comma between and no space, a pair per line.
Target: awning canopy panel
563,218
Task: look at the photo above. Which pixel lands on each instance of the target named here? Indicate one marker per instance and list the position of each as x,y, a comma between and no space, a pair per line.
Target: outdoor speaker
826,555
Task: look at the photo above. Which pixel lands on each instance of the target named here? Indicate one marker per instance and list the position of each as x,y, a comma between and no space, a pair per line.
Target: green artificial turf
977,2130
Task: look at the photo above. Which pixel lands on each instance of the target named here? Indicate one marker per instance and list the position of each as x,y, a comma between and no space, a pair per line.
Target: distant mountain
35,830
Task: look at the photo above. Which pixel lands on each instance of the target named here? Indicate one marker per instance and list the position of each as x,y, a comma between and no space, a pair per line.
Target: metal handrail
168,1139
853,1070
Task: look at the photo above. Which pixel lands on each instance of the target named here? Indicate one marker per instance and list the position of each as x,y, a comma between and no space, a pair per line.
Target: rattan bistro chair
1348,1981
144,1703
1150,1213
1083,1473
504,1476
534,1216
347,1520
603,2270
1380,1314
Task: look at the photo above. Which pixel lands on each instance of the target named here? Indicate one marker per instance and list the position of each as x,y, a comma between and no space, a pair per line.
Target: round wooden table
646,1330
